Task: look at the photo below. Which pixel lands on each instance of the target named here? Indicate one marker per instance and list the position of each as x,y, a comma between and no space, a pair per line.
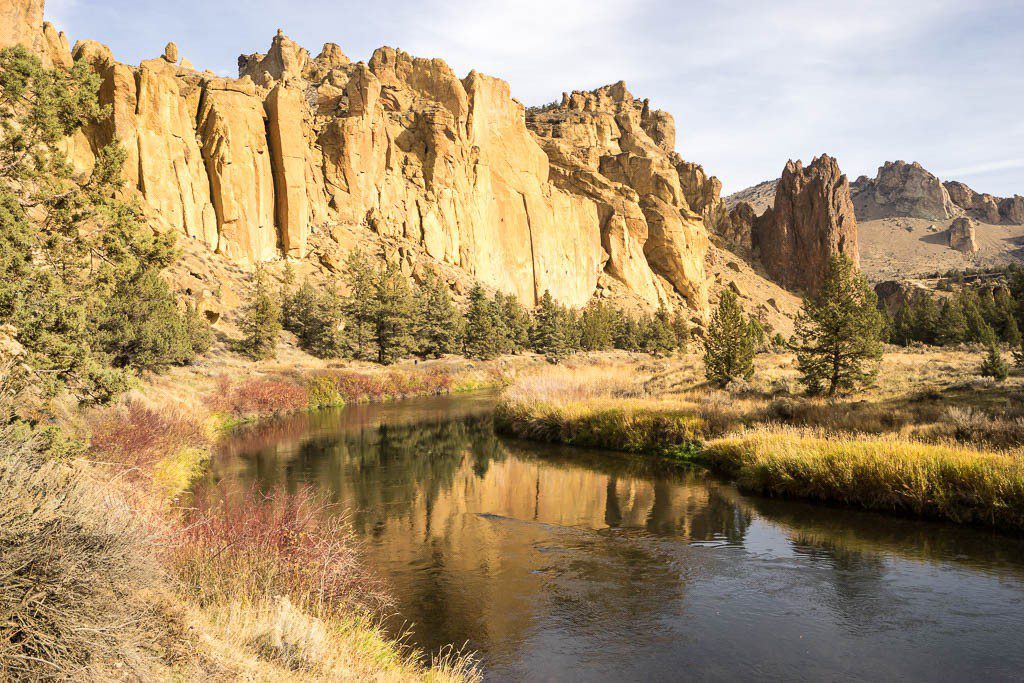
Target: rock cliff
590,199
902,189
985,207
812,219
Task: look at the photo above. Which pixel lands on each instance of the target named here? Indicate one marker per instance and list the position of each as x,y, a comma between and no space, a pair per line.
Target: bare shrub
73,565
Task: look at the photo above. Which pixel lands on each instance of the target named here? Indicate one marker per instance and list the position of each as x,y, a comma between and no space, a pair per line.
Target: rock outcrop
812,219
902,189
616,151
985,207
962,235
590,198
737,229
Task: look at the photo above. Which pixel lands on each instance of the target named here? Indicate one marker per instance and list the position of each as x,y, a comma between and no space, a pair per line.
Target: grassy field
930,439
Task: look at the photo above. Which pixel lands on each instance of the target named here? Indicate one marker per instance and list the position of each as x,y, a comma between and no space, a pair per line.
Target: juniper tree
728,343
261,320
993,365
838,332
72,250
440,324
143,328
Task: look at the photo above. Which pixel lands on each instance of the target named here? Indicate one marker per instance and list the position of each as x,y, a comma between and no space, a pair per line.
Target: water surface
578,565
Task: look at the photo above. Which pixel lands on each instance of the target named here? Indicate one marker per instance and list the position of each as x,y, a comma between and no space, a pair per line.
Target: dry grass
891,474
929,439
101,579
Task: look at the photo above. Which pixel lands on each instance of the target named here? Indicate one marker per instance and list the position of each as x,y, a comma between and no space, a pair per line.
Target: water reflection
565,564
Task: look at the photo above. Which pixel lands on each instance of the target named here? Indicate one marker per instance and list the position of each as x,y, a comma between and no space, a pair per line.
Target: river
569,564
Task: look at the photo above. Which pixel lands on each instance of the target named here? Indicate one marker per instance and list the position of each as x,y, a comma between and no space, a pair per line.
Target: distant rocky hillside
910,223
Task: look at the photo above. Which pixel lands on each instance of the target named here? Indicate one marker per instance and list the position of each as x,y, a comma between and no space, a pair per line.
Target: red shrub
137,436
356,387
260,397
272,544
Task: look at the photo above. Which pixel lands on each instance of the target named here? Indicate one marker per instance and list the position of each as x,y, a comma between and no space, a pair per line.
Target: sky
751,84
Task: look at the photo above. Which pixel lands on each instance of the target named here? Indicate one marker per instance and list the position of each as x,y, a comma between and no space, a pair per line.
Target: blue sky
750,83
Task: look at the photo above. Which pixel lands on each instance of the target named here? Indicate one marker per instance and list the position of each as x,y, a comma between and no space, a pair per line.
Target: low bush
662,433
253,546
136,437
73,568
257,397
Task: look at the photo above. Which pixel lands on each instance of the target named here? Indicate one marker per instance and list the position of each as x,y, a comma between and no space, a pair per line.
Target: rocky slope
308,157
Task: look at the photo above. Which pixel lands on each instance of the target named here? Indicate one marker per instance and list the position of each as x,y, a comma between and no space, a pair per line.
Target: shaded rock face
738,227
653,208
590,196
962,235
812,219
985,207
902,189
894,294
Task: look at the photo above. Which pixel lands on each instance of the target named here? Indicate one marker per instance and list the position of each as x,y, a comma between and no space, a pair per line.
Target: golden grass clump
890,473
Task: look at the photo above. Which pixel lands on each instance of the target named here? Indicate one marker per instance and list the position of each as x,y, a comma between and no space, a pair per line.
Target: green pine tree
514,323
728,343
597,326
261,320
659,339
440,324
483,335
394,315
360,279
838,332
548,334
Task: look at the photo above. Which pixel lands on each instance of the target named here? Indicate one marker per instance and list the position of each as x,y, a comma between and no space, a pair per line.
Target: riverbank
930,440
120,574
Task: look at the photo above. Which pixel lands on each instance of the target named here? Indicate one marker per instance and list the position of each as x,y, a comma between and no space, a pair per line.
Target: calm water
567,564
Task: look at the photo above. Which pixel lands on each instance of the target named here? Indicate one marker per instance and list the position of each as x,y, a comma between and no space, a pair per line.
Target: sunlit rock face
589,196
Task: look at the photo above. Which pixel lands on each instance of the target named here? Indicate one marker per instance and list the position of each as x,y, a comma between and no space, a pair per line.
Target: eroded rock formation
962,235
653,208
592,198
985,207
812,219
902,189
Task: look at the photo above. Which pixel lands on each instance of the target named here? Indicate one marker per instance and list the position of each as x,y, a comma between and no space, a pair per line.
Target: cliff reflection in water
555,560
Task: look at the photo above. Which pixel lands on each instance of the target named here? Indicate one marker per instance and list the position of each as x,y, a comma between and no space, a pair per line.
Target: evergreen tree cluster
80,272
981,315
383,318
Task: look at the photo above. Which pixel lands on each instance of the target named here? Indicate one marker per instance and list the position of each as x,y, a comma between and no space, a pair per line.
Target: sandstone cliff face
902,189
253,167
812,219
654,209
